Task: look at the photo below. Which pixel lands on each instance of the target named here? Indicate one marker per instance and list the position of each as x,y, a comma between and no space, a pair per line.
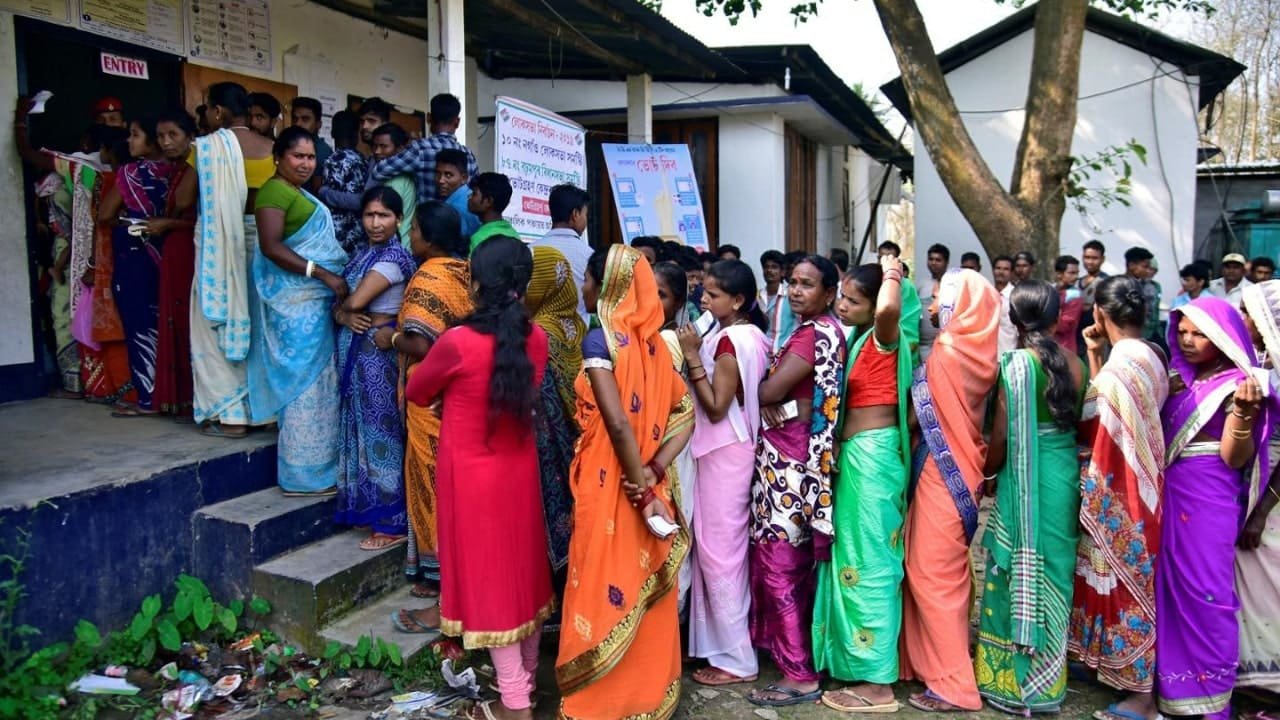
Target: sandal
405,622
214,429
715,677
423,591
867,705
791,696
1114,712
382,541
128,411
485,712
930,702
327,492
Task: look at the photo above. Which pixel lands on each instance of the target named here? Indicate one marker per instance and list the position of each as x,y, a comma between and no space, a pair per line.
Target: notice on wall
656,193
155,24
237,32
537,149
54,11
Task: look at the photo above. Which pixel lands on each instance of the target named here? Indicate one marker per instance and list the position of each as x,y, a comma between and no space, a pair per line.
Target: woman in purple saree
1213,420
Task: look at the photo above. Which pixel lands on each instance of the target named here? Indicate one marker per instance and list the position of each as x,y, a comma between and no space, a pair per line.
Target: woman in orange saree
949,394
620,642
436,298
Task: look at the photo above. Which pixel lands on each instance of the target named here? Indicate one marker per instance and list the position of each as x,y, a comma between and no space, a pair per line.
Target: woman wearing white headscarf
1258,556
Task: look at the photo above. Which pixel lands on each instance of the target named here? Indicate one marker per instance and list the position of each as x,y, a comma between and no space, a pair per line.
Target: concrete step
319,583
233,536
374,620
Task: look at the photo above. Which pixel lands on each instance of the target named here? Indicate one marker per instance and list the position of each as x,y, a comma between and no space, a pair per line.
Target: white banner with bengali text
537,149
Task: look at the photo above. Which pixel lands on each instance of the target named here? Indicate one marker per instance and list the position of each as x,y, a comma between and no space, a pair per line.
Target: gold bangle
1241,434
395,335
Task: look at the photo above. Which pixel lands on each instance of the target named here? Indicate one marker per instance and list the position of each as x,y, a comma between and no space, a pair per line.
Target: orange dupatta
960,371
436,298
620,644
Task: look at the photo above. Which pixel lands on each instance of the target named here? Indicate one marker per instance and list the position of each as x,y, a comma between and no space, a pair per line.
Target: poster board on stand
537,150
656,193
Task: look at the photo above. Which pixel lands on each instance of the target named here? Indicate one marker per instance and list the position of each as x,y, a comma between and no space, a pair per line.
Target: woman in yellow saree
620,644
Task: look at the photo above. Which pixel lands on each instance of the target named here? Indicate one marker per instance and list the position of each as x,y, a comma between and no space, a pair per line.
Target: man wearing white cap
1232,282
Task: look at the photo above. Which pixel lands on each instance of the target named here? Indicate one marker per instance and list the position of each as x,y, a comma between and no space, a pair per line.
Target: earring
736,308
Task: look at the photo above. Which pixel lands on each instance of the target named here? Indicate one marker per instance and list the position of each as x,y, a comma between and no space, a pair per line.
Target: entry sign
124,66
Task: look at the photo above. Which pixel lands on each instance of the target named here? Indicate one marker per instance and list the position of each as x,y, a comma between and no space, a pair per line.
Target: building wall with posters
313,47
752,184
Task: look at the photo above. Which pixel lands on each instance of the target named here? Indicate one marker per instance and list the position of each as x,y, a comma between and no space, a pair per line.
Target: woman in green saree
857,616
1031,537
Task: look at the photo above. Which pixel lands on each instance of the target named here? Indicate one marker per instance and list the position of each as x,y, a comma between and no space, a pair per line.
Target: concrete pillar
639,109
470,128
446,51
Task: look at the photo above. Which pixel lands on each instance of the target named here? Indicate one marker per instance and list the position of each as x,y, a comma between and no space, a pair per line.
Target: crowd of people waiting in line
621,437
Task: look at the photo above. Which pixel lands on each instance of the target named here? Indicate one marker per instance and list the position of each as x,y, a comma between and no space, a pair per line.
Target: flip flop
724,678
130,411
931,695
429,593
793,696
215,430
413,627
869,707
483,707
1114,711
327,492
390,542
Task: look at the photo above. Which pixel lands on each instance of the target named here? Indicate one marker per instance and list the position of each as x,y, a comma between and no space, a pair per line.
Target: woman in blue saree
371,463
291,368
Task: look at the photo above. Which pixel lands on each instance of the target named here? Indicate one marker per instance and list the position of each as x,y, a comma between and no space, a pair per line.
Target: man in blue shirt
419,158
454,185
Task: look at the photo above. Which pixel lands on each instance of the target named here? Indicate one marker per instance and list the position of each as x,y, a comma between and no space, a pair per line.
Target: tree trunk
1043,160
1029,215
994,215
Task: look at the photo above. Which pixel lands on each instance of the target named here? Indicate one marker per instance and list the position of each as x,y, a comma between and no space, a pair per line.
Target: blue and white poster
656,193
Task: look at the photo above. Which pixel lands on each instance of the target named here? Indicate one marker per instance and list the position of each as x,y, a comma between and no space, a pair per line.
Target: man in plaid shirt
418,158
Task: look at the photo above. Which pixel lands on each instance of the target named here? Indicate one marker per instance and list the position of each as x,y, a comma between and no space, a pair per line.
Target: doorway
68,63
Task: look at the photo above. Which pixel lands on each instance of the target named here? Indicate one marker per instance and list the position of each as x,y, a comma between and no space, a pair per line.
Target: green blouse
278,194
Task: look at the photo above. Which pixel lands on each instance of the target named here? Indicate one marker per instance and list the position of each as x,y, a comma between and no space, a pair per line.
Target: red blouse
874,378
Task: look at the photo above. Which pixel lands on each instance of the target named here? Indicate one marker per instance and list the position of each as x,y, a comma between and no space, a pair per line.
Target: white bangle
311,266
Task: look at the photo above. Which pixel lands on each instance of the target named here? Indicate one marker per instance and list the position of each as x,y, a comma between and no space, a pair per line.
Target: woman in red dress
175,132
495,579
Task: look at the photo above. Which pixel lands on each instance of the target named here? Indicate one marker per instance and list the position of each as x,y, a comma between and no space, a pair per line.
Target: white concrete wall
1160,114
15,288
753,185
316,47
